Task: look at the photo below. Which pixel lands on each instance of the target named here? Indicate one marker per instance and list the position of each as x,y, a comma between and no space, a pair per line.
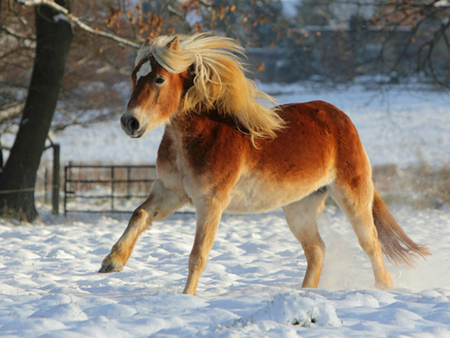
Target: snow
441,3
61,17
251,286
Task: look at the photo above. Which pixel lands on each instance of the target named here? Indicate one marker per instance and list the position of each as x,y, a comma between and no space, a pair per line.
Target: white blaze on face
145,69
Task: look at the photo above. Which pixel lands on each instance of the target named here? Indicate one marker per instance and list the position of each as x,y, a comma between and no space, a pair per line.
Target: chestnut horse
224,151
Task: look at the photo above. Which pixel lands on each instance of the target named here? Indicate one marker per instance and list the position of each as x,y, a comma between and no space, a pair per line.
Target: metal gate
106,188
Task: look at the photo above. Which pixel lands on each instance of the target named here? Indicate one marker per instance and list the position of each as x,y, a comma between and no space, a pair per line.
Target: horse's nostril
133,124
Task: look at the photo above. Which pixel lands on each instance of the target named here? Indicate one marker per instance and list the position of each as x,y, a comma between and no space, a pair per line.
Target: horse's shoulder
165,147
210,142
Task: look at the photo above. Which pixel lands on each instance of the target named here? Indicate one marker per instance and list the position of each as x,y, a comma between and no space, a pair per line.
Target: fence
55,182
106,188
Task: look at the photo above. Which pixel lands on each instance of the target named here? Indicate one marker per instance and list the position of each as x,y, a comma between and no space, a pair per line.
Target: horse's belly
253,194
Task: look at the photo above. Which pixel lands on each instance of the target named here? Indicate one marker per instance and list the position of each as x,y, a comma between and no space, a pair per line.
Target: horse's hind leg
356,203
301,217
160,203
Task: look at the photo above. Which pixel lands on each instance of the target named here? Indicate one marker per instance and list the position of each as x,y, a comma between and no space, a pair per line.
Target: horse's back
316,136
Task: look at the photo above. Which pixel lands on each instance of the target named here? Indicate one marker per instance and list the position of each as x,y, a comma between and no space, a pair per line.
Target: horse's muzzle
130,126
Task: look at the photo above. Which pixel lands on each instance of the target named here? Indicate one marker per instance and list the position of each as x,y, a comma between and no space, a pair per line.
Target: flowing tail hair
396,245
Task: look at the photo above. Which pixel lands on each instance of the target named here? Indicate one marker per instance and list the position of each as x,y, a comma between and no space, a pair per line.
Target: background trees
427,39
399,39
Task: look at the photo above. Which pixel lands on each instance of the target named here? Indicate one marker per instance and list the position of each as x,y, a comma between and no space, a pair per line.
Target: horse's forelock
143,52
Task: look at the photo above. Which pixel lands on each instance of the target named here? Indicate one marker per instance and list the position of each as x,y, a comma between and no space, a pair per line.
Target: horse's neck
193,132
194,124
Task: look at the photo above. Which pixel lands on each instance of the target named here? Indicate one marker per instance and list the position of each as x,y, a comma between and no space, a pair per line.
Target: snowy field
251,286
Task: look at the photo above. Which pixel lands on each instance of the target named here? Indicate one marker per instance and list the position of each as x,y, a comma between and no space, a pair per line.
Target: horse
225,150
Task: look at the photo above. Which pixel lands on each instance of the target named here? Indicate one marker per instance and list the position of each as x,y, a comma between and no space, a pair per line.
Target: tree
17,181
90,62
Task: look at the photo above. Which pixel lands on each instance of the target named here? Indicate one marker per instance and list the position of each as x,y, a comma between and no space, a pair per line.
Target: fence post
112,188
65,187
128,181
46,186
56,182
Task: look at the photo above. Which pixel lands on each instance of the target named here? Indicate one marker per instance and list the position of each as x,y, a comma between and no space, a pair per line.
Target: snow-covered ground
251,286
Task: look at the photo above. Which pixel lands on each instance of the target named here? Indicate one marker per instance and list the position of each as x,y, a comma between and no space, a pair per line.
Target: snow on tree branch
72,18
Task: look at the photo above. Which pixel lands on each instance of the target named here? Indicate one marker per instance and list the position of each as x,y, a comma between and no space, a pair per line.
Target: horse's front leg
208,219
160,203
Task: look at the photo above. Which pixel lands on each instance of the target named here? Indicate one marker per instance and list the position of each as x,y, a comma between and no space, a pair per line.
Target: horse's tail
396,245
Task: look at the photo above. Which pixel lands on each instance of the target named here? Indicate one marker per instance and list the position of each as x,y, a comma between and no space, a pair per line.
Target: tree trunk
18,179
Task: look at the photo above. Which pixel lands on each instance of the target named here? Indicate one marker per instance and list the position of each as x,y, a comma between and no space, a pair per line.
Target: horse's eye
160,80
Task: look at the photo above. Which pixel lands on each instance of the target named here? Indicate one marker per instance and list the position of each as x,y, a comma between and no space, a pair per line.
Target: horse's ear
174,44
148,42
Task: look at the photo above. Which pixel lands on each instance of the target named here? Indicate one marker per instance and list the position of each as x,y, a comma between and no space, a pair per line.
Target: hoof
386,283
109,266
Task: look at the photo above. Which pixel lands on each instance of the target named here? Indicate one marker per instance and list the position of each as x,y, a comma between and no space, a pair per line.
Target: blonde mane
220,80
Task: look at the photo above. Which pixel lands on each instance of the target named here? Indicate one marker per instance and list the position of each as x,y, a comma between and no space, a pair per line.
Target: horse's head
156,92
197,73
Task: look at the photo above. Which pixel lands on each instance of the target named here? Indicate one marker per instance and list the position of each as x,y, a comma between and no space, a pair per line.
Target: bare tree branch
205,3
13,33
10,111
176,12
77,21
